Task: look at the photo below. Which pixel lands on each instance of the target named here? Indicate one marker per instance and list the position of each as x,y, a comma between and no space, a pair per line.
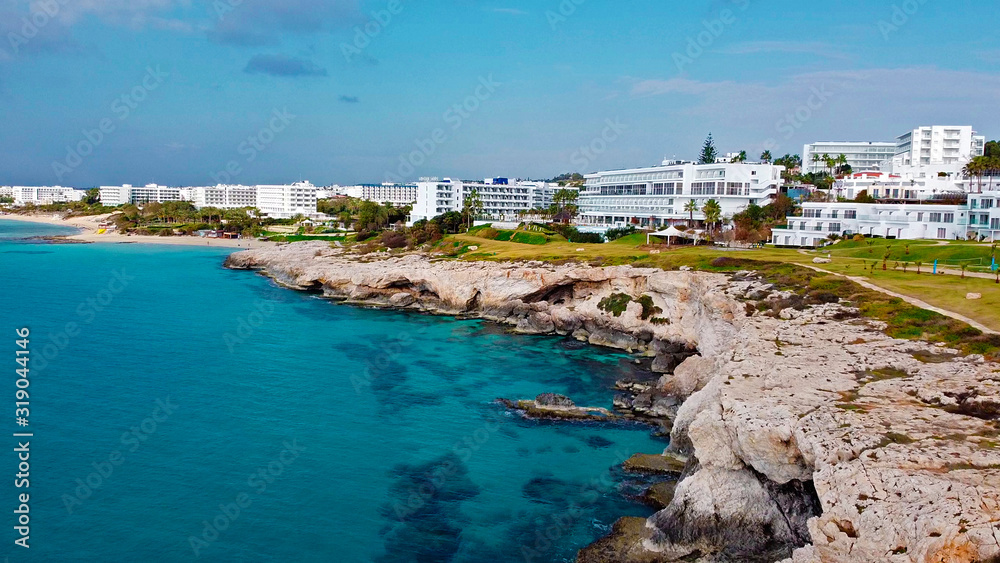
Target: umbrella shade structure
672,232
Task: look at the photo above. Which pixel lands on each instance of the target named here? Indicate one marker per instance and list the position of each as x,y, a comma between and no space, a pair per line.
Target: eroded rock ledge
808,438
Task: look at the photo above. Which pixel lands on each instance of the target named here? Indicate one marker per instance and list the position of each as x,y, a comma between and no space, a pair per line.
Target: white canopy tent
672,232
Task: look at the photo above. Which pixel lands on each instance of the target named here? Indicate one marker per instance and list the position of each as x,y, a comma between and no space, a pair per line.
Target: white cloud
799,48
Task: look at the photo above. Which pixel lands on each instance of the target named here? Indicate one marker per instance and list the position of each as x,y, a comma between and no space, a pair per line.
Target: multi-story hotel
861,155
885,220
285,202
938,145
221,196
396,194
503,199
658,196
44,195
121,195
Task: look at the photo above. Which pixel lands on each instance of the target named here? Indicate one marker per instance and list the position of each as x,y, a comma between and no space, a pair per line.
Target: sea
174,410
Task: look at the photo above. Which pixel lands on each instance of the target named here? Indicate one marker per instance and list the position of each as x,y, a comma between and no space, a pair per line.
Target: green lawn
946,292
952,254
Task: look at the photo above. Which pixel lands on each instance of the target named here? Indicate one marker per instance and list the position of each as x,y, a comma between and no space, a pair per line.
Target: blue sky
200,78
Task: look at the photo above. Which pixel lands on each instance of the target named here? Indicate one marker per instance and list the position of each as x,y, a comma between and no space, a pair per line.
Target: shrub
859,237
616,303
393,239
617,233
648,308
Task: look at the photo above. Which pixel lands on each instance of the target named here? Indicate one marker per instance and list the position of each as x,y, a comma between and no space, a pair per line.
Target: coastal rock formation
810,437
534,298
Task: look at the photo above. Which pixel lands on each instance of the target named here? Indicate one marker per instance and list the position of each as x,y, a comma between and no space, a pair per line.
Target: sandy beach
89,227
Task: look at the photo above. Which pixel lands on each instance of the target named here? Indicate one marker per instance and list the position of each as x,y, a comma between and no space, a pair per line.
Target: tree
473,207
712,211
742,157
691,206
92,196
992,149
863,197
708,152
564,203
766,157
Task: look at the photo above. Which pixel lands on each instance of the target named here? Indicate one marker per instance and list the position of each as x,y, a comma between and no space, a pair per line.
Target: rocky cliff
809,437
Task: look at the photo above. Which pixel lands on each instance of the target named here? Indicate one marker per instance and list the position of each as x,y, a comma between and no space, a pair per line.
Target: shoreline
806,434
88,234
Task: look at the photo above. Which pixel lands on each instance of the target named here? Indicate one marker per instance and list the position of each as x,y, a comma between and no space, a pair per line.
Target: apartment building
660,195
885,220
503,199
396,194
44,195
221,196
287,201
127,193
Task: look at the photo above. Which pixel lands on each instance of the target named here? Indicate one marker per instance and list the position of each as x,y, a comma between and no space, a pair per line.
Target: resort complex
927,184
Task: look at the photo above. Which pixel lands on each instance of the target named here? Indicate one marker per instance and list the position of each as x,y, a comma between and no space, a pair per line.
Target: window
995,223
942,233
834,227
851,214
949,217
935,218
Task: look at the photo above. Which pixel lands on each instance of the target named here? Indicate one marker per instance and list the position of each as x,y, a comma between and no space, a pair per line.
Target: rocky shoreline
808,436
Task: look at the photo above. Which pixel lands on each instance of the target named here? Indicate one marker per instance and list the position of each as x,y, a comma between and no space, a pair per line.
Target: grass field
849,258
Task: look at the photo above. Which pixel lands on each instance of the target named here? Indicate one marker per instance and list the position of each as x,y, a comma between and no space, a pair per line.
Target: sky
199,92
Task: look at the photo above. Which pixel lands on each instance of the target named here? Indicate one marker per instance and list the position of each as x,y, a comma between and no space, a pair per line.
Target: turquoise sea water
172,399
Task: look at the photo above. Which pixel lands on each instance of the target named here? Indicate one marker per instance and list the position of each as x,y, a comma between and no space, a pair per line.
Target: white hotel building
44,195
221,196
121,195
285,202
656,196
503,199
279,202
861,155
396,194
883,220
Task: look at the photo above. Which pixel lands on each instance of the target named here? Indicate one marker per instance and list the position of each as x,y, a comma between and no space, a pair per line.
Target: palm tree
712,211
742,157
965,267
919,264
691,206
766,157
